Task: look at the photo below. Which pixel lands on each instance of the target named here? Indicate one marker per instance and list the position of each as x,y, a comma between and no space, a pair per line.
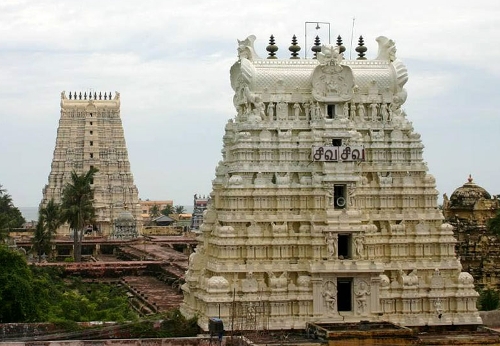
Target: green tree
154,211
18,301
49,220
10,216
169,209
77,206
494,224
179,209
488,300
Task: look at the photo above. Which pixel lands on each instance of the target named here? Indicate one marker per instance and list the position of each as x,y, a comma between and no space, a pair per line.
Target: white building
90,133
322,208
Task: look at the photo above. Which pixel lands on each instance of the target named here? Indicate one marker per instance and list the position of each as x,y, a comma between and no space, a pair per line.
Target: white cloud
170,60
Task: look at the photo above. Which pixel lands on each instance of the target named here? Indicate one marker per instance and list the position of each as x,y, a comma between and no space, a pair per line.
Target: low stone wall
490,318
122,342
23,330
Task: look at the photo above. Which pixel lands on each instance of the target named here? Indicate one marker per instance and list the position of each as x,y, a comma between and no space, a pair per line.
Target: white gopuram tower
90,133
322,208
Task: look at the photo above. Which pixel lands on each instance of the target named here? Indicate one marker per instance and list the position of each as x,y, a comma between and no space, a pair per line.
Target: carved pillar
318,304
375,294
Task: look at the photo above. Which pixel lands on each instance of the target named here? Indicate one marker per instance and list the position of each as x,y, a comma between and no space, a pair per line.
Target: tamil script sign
333,154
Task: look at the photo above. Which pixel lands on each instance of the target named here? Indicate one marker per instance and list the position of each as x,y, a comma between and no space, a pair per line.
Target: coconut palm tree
49,220
154,211
179,209
77,206
169,209
10,216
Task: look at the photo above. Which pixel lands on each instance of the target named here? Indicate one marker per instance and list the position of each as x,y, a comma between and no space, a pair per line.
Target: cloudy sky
170,62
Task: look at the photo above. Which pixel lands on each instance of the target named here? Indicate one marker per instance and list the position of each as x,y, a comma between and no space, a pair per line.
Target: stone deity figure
446,201
281,111
352,194
361,111
306,110
296,110
353,111
346,110
361,293
318,112
330,295
373,108
384,112
312,111
270,111
360,247
331,242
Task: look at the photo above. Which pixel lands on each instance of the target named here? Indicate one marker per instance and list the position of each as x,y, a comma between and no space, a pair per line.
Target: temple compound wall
322,208
90,134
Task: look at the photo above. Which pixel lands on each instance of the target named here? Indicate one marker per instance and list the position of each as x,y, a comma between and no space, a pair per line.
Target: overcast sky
170,62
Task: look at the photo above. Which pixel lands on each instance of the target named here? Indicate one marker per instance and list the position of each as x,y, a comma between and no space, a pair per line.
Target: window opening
344,246
330,111
337,142
339,197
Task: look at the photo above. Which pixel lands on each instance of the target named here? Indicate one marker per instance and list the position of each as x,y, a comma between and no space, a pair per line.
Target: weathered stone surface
468,210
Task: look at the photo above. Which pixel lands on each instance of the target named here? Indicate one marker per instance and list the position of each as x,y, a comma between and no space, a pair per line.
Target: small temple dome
125,226
466,196
124,218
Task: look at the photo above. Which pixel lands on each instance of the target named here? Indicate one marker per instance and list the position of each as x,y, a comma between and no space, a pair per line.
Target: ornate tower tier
322,208
90,133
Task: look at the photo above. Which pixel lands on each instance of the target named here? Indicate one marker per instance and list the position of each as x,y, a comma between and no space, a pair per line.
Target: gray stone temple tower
90,134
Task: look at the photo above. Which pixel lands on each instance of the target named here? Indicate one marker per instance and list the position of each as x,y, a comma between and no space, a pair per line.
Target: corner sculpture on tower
90,134
322,208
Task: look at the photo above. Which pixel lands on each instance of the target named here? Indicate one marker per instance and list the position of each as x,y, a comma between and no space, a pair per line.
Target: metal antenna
352,34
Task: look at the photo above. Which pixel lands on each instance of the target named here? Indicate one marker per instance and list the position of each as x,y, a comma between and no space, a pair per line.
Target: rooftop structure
90,134
200,204
322,208
468,209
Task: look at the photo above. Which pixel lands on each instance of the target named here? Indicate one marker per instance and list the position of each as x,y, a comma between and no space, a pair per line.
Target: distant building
90,134
468,209
147,204
199,206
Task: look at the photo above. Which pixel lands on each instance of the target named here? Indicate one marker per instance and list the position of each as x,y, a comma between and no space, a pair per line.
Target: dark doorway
330,111
87,250
344,246
344,294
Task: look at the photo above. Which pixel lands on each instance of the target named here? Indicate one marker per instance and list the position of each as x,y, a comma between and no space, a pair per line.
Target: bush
488,300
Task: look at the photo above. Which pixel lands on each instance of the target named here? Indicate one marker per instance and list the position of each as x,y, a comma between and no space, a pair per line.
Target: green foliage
10,216
169,209
38,294
494,224
18,301
179,209
488,300
49,219
77,206
154,211
171,324
79,301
